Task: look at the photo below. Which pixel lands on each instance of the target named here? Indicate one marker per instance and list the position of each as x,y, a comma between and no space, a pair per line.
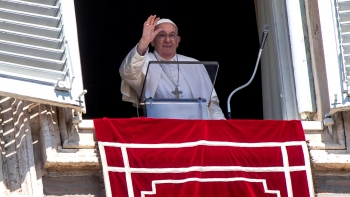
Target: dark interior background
217,31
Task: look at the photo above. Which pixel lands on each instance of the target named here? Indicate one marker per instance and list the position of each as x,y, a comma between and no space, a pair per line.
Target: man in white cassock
164,81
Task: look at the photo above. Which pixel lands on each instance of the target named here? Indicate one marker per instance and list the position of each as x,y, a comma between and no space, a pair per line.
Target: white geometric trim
263,181
286,171
105,169
206,143
308,169
286,168
206,169
127,172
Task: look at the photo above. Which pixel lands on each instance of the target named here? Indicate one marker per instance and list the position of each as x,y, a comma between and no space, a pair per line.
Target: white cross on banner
204,158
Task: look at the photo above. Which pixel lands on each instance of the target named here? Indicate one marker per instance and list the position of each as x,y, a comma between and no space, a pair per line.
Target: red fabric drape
202,158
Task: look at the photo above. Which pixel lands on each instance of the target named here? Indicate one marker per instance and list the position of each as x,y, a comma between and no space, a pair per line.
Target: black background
217,31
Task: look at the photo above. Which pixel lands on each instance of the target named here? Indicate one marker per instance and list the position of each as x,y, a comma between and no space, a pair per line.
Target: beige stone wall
332,183
44,154
40,142
19,175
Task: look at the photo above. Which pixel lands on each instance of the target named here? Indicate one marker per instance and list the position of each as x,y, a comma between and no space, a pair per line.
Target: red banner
204,158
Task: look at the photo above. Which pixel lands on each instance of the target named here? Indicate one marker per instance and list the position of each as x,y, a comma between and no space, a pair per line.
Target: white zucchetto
164,20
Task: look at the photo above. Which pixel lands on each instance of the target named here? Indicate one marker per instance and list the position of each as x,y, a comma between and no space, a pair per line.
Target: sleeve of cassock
132,73
215,111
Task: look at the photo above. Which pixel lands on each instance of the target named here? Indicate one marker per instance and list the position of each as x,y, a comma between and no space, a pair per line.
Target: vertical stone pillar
17,158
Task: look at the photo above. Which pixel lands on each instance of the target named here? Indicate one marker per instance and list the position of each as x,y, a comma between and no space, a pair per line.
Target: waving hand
148,34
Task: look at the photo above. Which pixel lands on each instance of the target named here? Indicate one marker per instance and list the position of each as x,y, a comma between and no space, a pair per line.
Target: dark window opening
217,31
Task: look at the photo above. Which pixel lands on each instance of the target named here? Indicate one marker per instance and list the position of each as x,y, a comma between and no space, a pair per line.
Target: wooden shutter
39,53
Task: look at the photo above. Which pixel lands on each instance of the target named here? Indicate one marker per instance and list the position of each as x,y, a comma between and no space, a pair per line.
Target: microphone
263,40
264,36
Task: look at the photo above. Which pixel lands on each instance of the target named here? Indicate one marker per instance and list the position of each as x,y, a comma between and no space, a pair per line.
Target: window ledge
324,160
312,125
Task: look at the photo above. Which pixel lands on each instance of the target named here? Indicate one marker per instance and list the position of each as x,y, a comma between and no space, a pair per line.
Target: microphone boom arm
263,40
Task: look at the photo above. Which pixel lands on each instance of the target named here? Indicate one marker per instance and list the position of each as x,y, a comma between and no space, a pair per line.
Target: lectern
198,74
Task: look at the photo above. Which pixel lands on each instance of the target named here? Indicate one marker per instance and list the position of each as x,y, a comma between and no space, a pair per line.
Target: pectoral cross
176,93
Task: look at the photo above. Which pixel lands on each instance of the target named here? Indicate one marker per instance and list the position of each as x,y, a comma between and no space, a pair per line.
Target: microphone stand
263,40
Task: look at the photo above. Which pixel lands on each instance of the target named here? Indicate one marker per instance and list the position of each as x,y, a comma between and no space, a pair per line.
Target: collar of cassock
162,59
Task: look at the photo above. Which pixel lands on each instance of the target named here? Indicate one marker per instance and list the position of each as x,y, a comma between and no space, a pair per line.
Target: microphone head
266,28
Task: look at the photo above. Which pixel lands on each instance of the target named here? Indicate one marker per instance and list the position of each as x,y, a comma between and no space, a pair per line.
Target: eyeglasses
163,36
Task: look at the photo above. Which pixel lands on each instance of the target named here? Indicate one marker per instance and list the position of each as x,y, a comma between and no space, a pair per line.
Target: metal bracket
151,100
77,119
80,95
62,86
328,121
199,102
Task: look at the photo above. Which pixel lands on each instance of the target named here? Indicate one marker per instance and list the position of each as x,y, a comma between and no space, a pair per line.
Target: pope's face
167,40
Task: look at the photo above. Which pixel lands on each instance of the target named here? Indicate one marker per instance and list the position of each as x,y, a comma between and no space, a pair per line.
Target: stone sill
71,158
60,160
330,160
87,125
312,125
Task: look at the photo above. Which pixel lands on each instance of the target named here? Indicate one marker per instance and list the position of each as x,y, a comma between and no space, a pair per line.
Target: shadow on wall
18,175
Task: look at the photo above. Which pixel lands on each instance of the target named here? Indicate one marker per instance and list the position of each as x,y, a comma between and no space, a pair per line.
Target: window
39,52
335,27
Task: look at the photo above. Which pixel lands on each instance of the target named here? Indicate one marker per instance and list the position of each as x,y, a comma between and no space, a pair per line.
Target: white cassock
193,81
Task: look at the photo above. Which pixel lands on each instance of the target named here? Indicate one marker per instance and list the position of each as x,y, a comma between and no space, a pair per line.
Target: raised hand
148,34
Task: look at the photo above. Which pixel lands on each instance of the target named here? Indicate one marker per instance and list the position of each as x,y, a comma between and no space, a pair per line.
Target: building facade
305,76
48,150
